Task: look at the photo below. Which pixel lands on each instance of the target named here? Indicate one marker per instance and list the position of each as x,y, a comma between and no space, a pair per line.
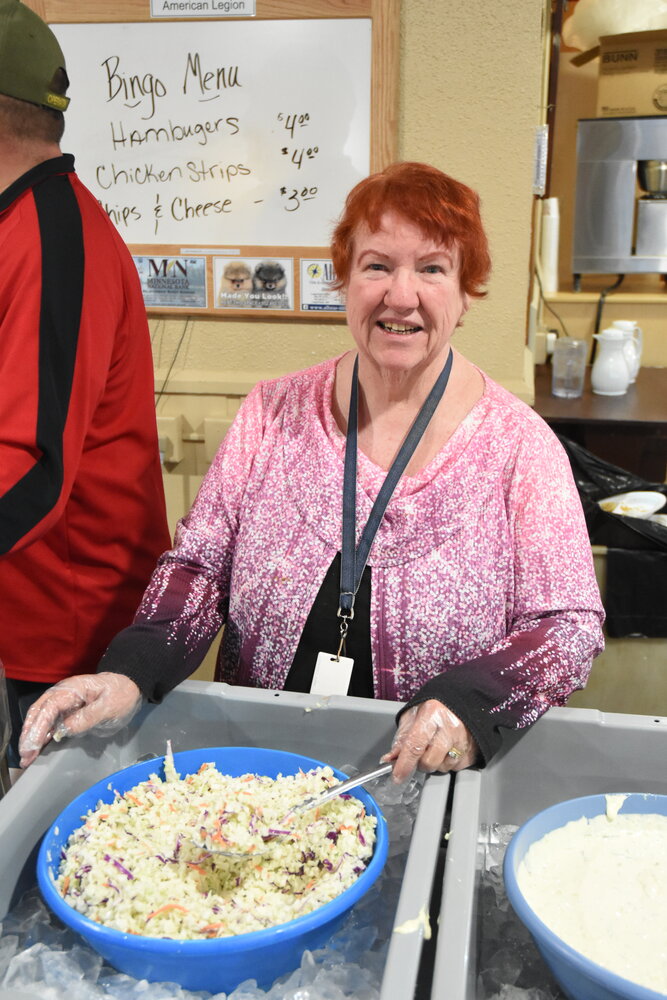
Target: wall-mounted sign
177,282
253,283
202,8
317,295
238,132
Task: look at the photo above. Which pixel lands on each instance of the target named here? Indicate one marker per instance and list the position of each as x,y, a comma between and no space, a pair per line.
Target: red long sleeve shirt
82,514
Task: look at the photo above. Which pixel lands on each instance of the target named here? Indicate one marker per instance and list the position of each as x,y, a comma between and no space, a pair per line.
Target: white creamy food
601,885
133,865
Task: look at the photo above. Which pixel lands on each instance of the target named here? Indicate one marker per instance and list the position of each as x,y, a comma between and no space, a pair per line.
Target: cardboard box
632,75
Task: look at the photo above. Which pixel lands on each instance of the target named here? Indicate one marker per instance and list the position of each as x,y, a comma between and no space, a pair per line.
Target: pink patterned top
482,572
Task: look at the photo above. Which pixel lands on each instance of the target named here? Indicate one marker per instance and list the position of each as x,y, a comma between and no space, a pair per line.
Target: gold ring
454,753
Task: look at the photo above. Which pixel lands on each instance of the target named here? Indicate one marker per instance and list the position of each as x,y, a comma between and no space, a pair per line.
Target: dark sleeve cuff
473,691
155,664
473,707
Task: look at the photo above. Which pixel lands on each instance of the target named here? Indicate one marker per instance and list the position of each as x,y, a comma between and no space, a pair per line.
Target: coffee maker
620,216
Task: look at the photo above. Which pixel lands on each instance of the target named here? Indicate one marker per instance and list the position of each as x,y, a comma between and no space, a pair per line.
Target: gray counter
344,732
569,752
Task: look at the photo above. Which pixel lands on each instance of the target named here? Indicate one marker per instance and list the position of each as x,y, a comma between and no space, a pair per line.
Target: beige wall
470,85
469,99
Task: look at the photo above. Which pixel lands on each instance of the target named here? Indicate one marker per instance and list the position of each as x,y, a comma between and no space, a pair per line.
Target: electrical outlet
215,429
540,347
170,439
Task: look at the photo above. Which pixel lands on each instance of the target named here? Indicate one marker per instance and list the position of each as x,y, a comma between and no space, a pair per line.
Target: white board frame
384,17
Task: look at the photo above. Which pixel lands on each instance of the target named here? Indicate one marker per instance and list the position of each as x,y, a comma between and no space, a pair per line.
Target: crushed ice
40,955
509,964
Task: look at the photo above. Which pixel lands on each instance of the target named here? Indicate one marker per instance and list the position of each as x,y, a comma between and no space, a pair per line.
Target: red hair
445,210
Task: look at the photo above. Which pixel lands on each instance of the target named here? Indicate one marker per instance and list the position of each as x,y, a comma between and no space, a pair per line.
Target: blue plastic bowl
579,977
216,964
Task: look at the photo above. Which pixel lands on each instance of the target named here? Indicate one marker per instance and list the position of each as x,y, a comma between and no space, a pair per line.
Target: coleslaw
133,865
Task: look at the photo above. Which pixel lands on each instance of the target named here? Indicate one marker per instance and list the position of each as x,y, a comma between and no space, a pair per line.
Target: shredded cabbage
134,866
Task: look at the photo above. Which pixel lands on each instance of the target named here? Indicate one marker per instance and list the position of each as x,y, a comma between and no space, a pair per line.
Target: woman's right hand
102,703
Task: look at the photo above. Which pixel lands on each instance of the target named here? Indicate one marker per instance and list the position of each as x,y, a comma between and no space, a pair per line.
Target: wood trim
384,14
385,56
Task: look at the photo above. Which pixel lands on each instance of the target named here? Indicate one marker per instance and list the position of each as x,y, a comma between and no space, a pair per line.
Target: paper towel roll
549,245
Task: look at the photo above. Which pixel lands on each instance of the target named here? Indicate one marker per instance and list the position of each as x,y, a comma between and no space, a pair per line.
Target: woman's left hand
431,738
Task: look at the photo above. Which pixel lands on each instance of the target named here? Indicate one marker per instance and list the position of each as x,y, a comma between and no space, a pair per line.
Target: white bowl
659,519
638,503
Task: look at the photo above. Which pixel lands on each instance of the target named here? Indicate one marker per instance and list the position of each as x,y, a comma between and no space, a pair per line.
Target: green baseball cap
29,57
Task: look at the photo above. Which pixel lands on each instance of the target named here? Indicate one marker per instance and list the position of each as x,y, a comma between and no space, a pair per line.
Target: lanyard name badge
332,673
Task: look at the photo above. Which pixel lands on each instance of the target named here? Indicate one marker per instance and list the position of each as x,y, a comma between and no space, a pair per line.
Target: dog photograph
253,283
235,283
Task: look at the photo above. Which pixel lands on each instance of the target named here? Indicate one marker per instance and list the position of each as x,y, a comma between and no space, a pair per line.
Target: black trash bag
596,479
635,597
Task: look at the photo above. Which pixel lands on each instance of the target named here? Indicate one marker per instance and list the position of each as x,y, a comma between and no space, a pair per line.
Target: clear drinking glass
568,367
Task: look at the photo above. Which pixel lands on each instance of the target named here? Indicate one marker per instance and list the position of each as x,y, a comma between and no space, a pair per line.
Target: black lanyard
353,562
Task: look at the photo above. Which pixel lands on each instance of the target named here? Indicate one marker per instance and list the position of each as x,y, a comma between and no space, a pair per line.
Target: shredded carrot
211,927
191,864
133,798
248,777
163,909
219,839
65,884
309,886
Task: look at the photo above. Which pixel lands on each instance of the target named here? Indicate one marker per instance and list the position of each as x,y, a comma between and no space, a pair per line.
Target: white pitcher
633,344
610,375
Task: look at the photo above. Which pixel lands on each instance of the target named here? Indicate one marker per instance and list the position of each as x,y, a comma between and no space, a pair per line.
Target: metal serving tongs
310,803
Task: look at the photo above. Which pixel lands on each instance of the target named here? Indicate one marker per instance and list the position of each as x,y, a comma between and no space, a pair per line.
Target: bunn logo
625,56
165,267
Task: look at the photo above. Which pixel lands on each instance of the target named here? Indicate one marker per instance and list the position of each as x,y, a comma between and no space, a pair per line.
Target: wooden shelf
621,298
629,431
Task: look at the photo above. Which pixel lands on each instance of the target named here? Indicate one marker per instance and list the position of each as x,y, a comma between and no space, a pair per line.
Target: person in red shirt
82,512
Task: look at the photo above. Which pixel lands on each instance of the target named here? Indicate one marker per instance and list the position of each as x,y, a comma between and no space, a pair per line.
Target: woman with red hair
390,523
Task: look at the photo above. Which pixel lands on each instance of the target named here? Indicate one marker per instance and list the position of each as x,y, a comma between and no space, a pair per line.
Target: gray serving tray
338,730
569,752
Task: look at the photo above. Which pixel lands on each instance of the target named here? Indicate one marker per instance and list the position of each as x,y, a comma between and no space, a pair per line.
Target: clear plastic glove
101,703
430,738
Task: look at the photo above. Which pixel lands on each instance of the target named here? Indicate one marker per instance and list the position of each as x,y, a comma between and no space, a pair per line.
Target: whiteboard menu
220,132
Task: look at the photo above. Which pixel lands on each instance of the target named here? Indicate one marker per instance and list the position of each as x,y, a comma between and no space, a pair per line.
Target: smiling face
404,298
